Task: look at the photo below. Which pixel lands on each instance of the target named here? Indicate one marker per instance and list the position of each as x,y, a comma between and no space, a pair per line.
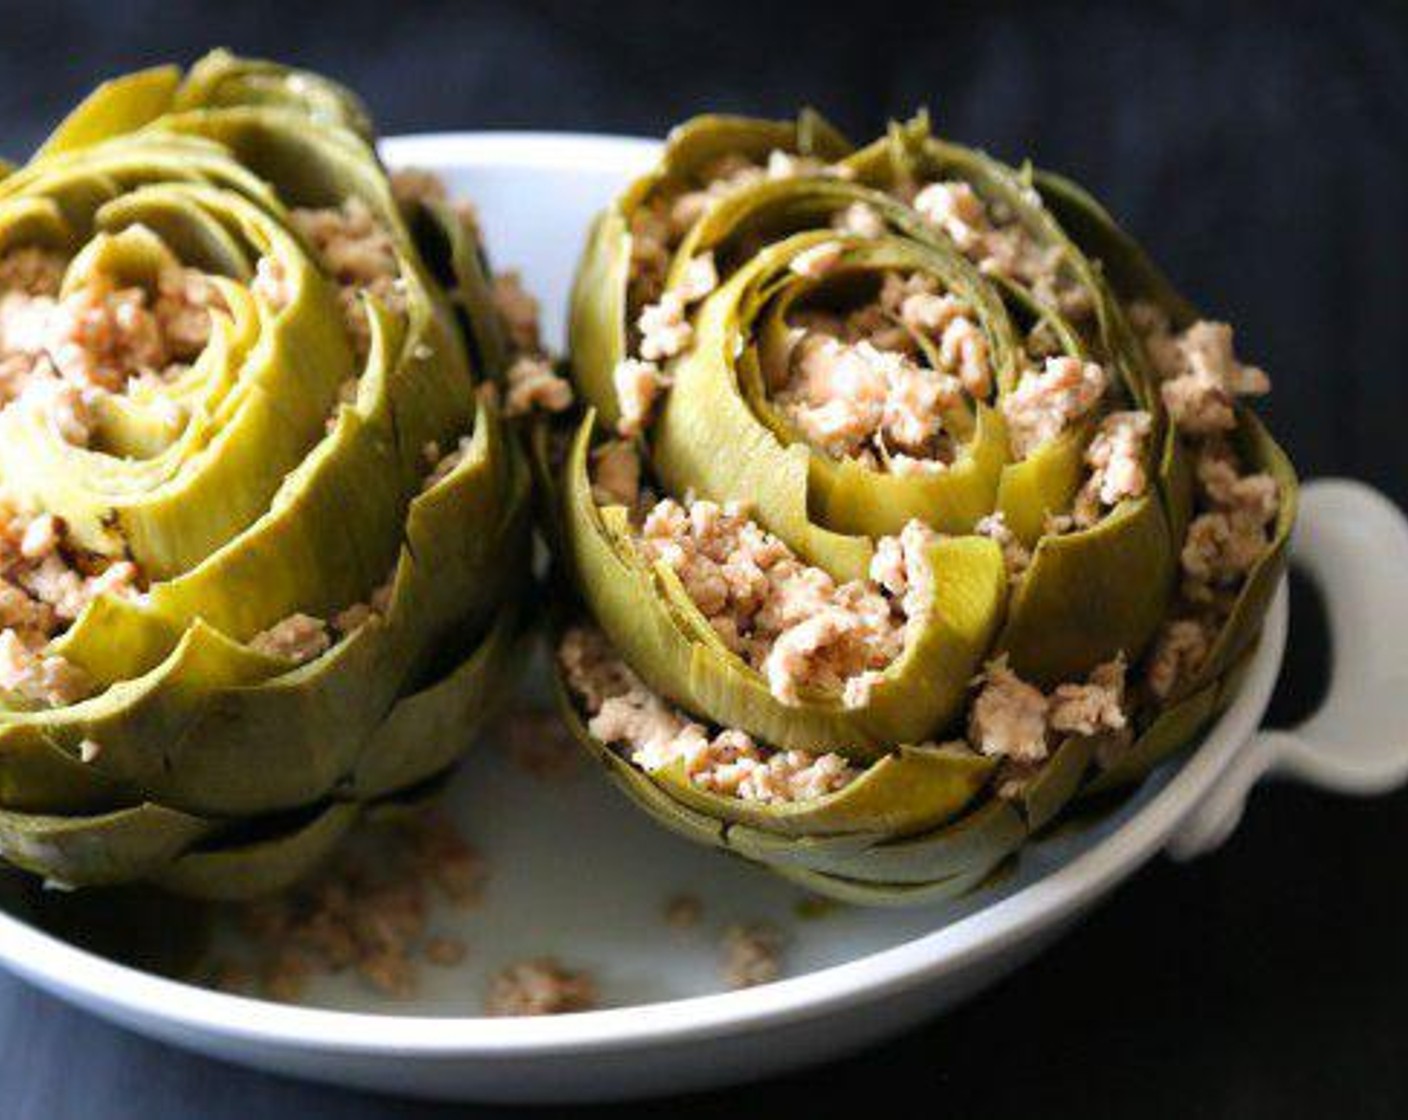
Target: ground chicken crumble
1236,510
372,910
790,621
540,986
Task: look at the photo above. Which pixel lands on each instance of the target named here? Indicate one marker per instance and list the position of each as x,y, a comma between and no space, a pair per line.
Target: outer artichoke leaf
425,731
1090,595
1174,728
88,851
221,79
597,323
116,107
1057,782
973,844
238,871
860,893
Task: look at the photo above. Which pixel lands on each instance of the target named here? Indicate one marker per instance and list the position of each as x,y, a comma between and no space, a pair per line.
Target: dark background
1261,152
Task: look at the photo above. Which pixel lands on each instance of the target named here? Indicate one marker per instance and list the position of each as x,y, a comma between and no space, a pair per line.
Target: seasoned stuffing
700,278
297,638
1008,718
1015,555
1116,458
45,584
1045,403
683,912
818,261
664,329
656,735
638,384
859,219
1231,535
36,676
533,385
616,473
790,621
752,955
356,249
359,614
542,986
272,283
1202,377
519,311
1012,719
539,744
1179,651
1001,247
1092,707
371,910
854,400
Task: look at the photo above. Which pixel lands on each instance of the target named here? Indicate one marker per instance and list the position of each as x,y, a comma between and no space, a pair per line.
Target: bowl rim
134,996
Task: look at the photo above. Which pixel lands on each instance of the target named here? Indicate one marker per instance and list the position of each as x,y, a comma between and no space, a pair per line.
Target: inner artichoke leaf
1091,594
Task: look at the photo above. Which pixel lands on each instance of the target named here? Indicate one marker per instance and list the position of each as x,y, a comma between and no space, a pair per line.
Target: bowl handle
1353,542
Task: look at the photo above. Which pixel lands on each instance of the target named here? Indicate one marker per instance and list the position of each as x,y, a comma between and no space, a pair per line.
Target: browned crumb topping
752,954
790,621
542,986
1048,401
656,735
683,912
371,911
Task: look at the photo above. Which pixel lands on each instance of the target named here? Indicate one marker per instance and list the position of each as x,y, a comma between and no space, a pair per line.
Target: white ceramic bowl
587,881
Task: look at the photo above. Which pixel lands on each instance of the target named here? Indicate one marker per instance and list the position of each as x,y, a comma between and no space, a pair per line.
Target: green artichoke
908,502
260,530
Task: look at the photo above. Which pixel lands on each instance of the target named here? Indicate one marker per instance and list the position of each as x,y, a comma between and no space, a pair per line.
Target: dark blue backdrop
1261,151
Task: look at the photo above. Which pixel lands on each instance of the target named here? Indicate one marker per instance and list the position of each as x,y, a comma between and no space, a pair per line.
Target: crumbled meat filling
46,582
1116,458
542,986
752,955
638,386
534,386
356,249
297,638
1047,402
655,735
1013,720
1016,557
790,621
1202,377
1002,247
615,473
857,401
372,910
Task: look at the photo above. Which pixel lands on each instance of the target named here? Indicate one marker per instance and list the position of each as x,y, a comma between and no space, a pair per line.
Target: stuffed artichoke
908,502
259,526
